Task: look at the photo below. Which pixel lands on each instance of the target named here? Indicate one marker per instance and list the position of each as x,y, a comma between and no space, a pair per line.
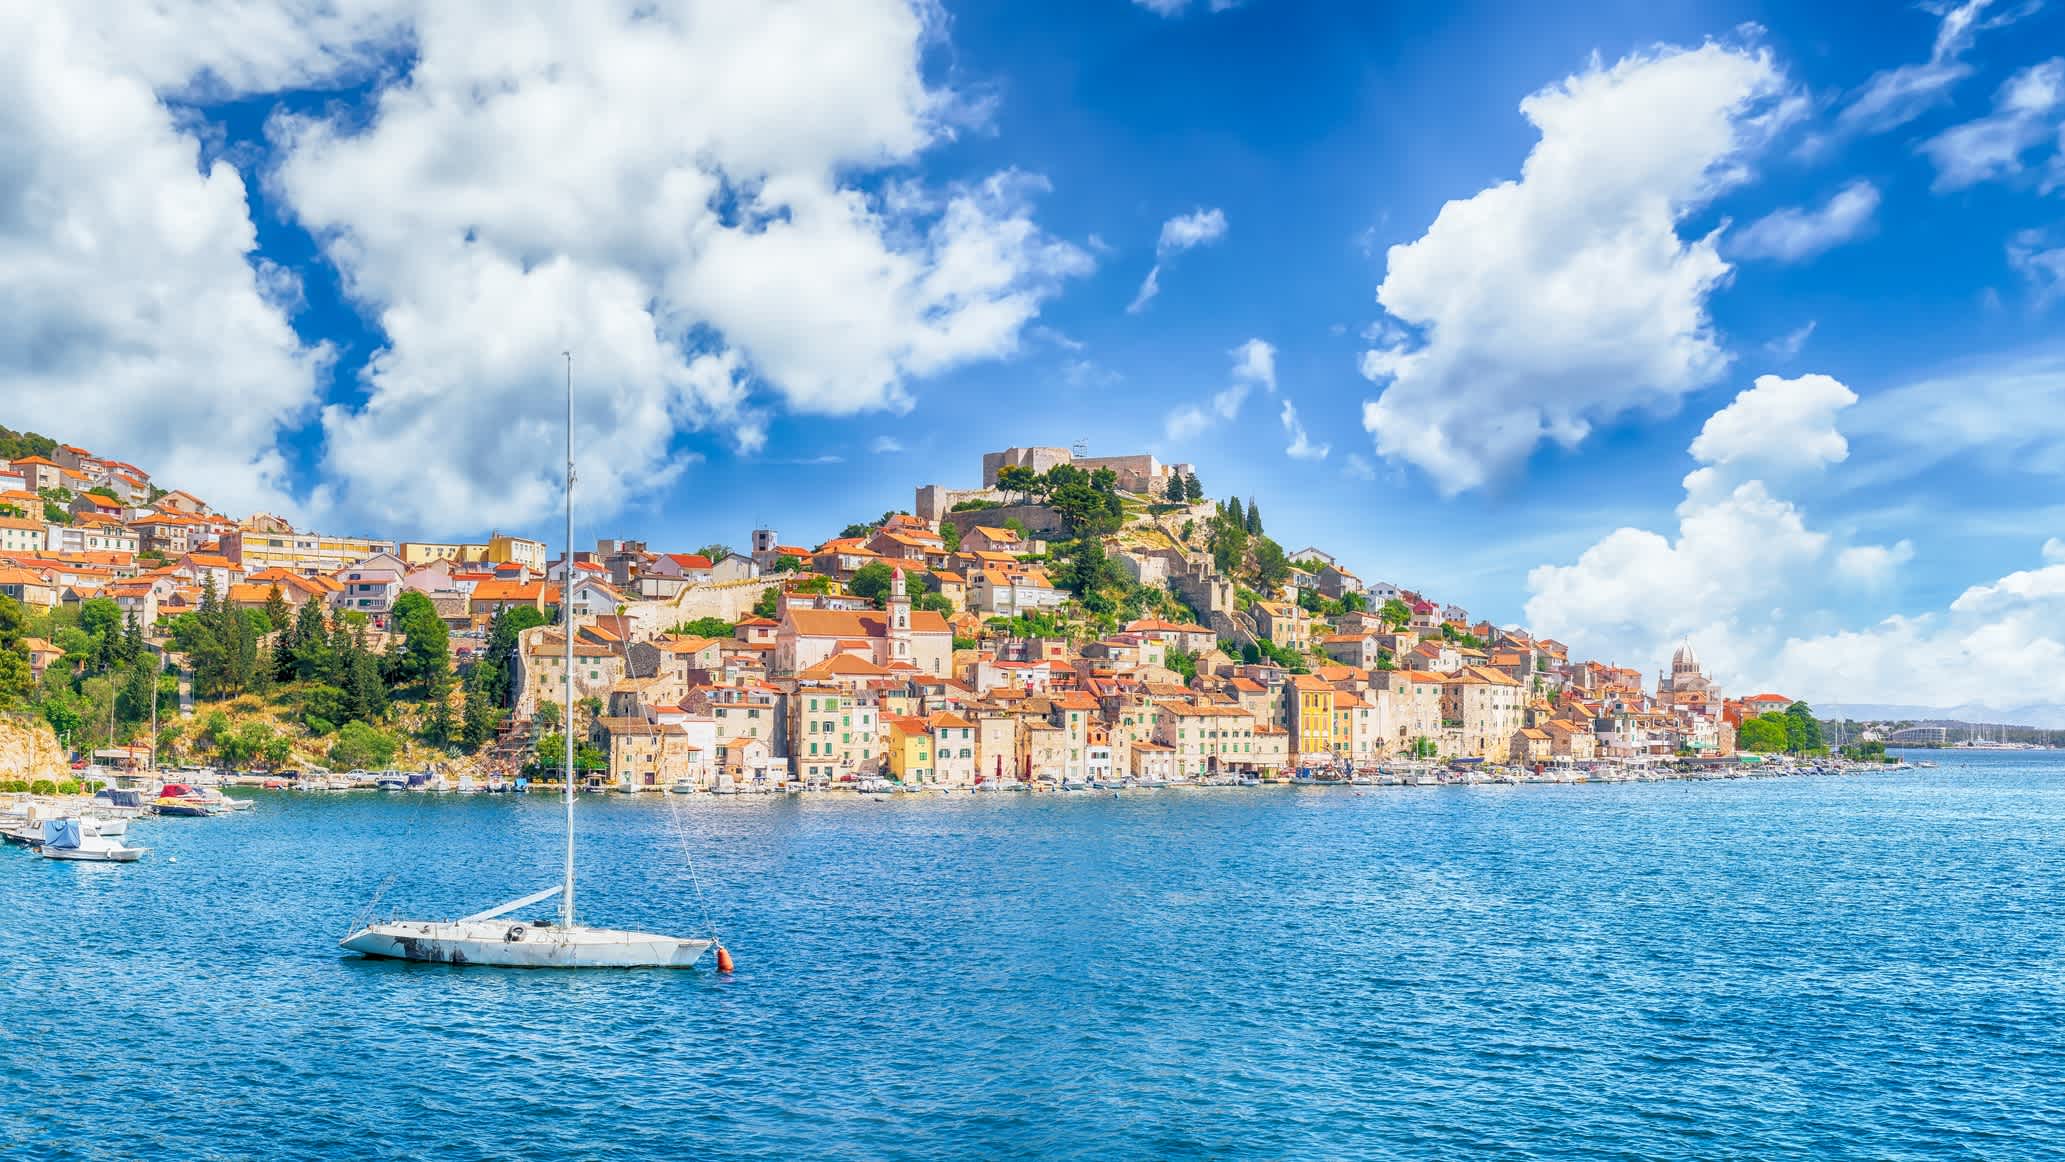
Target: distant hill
2039,715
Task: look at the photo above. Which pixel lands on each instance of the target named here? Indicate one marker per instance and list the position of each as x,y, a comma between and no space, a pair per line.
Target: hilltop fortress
1139,473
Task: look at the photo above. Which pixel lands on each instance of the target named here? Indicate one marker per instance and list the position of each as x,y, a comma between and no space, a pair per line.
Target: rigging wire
680,829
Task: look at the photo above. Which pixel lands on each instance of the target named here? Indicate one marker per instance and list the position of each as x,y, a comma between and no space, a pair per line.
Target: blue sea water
1829,968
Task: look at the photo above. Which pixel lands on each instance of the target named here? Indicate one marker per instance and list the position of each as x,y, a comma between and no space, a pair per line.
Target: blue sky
300,230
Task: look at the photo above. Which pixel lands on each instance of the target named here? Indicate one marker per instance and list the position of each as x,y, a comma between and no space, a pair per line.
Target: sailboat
489,937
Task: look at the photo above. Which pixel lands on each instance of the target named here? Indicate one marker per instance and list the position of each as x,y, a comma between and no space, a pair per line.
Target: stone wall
1038,519
1039,459
729,600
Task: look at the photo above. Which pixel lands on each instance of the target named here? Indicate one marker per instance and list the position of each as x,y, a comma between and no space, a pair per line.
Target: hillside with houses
1069,619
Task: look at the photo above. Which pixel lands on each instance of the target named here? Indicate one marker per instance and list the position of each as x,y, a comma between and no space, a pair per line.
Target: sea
1866,967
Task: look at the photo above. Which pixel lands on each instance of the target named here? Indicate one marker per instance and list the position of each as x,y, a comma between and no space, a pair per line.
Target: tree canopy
872,581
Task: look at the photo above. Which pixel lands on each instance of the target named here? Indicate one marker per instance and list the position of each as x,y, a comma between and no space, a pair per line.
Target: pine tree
365,695
1235,513
1192,490
107,651
1175,489
1254,518
277,615
16,678
479,724
438,722
310,653
265,671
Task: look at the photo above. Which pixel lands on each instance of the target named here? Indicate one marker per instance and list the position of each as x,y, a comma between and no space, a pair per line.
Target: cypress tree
365,694
132,640
245,657
1254,518
1192,490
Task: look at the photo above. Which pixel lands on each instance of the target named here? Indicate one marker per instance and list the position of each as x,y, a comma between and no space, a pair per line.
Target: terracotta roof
840,623
838,666
497,589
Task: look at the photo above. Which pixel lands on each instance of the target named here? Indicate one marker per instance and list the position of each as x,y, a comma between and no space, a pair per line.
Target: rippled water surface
1834,968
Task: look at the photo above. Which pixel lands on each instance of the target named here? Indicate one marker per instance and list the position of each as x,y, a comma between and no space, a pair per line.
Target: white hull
511,944
95,855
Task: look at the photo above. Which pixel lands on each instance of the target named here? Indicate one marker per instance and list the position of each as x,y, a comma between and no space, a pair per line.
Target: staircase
512,748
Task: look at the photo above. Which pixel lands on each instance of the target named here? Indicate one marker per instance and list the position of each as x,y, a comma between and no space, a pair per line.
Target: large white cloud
1544,305
1743,557
132,318
1999,645
672,191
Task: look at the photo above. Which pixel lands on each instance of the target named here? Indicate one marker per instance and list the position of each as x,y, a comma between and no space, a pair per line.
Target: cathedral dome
1685,659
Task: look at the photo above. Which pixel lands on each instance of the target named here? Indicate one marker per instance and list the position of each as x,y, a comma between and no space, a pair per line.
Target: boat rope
695,879
415,816
622,631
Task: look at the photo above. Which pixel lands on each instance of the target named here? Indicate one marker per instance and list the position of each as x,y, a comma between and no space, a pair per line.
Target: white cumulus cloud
2000,644
1779,425
1874,564
1794,233
666,191
132,318
1543,305
1742,554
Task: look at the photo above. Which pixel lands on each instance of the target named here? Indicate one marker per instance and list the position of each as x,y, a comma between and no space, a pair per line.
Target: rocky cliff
28,749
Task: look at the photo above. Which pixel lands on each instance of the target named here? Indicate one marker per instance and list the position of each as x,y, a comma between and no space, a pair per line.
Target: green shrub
68,786
42,787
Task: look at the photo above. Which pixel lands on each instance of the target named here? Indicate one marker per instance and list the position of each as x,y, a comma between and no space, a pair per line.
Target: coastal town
1069,621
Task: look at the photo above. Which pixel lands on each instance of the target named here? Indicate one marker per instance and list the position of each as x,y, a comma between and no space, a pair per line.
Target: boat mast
566,628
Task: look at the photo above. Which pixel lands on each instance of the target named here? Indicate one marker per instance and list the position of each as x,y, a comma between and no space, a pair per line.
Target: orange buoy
723,959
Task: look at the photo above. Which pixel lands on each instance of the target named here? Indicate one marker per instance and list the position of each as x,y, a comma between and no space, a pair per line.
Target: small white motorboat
82,840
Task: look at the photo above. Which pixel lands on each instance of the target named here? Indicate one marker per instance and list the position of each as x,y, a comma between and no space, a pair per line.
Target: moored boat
84,841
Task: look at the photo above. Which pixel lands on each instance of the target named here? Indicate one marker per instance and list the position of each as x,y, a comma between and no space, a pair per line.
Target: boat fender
515,933
723,959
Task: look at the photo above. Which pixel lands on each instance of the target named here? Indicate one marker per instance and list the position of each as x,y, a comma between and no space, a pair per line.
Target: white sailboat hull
509,944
